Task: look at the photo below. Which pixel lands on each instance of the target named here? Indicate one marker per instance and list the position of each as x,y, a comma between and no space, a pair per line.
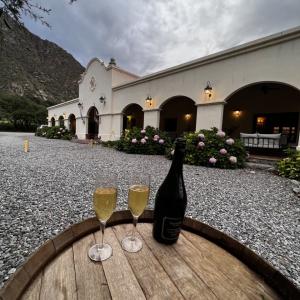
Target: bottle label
171,228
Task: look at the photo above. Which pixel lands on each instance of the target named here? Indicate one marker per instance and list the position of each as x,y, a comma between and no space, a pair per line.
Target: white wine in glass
138,195
137,199
105,200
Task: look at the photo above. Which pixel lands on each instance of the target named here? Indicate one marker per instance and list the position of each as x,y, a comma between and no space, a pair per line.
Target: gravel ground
48,189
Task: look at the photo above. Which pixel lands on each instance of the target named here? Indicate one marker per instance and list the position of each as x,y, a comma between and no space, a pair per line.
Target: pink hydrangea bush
233,159
212,160
220,134
230,141
55,132
223,151
201,145
214,148
143,141
201,136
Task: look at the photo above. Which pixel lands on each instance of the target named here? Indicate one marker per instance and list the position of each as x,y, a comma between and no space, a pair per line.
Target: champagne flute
138,196
104,199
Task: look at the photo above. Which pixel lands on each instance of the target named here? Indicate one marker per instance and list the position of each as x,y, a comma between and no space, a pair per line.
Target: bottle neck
177,162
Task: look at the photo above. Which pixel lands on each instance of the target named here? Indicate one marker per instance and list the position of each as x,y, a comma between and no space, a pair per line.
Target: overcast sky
149,35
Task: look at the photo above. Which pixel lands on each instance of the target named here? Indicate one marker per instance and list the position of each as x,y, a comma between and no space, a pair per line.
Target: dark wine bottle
171,200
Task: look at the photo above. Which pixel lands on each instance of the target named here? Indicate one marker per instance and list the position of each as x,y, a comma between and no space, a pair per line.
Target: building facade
254,87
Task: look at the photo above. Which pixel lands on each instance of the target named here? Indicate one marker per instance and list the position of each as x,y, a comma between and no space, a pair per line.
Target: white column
105,127
151,118
209,115
116,127
81,127
67,123
298,147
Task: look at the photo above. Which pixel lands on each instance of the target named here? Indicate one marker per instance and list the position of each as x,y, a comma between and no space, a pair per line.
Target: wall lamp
237,113
149,101
80,106
261,121
187,117
102,99
208,89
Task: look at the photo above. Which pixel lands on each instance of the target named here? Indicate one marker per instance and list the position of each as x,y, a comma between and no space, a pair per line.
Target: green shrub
7,126
149,141
55,132
290,166
213,148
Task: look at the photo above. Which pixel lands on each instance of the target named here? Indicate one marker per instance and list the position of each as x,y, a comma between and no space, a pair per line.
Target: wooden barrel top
204,264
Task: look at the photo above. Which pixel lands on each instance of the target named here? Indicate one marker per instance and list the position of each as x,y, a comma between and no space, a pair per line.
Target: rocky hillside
36,68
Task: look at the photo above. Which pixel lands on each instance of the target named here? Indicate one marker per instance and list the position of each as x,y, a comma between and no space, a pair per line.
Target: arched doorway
61,121
72,123
52,122
178,115
93,123
133,116
264,107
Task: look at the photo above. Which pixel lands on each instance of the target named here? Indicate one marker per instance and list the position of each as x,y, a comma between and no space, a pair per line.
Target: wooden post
26,145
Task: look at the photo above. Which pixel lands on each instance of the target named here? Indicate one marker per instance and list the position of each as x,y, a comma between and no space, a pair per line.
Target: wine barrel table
204,264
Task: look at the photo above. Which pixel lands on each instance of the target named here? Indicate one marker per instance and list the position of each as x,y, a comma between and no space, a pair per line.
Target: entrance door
72,122
93,123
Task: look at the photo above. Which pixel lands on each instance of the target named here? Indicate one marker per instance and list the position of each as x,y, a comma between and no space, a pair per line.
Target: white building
255,87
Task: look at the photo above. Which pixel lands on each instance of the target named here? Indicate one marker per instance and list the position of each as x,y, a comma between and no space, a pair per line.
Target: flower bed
149,141
55,132
213,148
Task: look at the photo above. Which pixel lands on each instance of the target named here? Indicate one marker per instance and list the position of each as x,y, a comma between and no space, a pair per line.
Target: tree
15,9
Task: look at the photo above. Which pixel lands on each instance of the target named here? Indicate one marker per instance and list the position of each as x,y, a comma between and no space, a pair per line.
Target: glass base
99,254
132,244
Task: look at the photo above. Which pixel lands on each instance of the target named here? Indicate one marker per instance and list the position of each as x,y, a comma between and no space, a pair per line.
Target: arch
259,82
61,121
52,122
72,123
93,123
264,107
133,116
178,115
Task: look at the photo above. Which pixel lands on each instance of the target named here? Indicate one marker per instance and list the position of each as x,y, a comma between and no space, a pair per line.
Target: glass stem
135,220
102,227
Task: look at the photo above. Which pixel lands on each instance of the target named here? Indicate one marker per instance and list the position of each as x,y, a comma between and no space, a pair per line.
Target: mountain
34,68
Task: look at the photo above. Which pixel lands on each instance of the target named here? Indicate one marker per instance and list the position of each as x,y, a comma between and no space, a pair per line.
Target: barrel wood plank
243,277
193,268
119,274
153,279
187,282
90,279
58,280
218,283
